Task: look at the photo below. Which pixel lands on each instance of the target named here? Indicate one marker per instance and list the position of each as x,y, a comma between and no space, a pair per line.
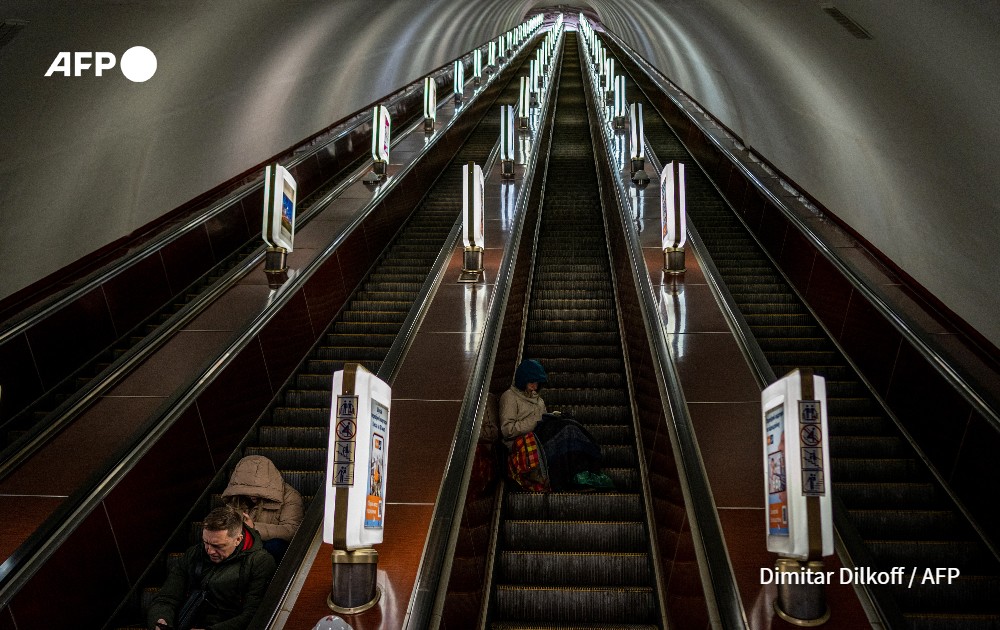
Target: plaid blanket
526,464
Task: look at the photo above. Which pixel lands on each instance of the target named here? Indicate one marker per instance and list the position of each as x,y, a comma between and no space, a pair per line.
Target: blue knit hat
530,371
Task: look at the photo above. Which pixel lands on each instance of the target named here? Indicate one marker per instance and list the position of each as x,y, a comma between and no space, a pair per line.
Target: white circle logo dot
138,64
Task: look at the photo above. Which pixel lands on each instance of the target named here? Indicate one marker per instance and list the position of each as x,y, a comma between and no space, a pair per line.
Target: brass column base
673,260
354,581
472,265
275,268
803,605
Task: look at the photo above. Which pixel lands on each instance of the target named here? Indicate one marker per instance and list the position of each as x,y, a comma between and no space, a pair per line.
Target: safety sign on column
346,430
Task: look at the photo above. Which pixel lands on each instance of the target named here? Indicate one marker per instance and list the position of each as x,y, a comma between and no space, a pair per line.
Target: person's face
531,387
219,545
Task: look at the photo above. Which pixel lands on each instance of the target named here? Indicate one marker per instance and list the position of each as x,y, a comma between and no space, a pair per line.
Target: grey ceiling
896,134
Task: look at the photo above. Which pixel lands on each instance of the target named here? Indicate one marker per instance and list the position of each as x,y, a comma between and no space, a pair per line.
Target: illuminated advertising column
619,107
540,67
608,84
473,233
381,124
430,103
533,83
278,229
507,149
637,146
459,81
523,103
356,473
799,517
672,217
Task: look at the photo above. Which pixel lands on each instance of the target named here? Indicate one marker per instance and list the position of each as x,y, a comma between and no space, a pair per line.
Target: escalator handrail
28,558
722,593
968,390
874,600
426,604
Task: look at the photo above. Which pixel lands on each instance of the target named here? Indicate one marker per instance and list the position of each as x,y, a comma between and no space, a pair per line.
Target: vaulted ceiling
896,134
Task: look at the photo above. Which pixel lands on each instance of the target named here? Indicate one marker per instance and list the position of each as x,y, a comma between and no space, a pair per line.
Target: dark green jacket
234,586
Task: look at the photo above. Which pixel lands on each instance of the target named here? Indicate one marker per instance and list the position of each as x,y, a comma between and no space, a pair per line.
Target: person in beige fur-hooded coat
269,505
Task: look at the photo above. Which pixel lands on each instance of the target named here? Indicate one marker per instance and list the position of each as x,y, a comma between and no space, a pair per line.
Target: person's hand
249,523
162,623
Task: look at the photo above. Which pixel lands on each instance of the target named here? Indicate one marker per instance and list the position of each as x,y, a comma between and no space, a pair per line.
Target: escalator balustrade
903,516
294,432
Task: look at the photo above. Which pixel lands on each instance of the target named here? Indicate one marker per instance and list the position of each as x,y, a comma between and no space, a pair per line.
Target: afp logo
138,64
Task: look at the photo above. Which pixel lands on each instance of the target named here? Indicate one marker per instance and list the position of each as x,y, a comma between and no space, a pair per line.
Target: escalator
50,406
577,559
895,512
293,432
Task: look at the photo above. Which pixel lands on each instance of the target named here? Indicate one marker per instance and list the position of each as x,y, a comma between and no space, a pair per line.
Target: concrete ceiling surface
894,134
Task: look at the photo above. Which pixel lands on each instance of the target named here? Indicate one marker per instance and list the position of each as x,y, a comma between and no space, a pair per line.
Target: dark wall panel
325,294
167,480
187,258
797,257
19,379
936,416
976,472
354,260
871,341
829,294
286,339
228,230
234,401
73,335
772,231
56,597
137,292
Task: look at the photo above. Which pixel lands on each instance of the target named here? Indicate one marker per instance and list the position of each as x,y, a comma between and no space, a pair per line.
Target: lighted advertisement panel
279,207
507,150
358,459
380,134
430,99
636,144
672,206
472,206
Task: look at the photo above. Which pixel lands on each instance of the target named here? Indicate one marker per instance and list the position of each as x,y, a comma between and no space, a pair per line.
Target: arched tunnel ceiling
895,134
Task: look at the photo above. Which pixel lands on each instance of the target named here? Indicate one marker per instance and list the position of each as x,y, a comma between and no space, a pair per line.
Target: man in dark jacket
230,565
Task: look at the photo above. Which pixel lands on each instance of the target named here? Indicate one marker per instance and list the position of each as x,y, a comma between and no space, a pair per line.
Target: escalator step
578,569
576,605
299,436
292,458
898,496
535,535
564,397
601,506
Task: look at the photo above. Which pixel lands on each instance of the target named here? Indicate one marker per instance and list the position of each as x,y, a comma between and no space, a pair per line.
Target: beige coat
519,413
278,512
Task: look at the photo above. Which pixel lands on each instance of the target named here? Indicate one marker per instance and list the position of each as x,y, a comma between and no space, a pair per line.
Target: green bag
589,479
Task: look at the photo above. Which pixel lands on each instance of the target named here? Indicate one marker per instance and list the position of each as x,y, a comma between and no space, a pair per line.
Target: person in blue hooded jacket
571,458
521,406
